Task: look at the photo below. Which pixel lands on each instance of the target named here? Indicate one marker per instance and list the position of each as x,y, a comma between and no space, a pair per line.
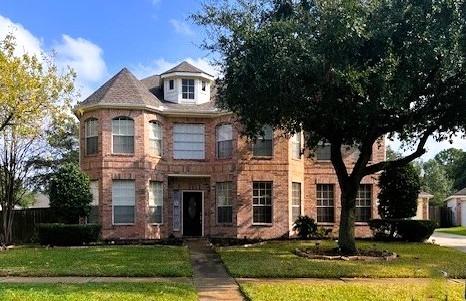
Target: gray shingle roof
123,88
185,67
461,192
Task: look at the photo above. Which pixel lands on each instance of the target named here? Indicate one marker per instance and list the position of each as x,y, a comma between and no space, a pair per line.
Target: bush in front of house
305,226
402,229
68,235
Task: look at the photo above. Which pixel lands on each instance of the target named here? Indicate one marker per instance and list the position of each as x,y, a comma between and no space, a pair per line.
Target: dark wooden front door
192,213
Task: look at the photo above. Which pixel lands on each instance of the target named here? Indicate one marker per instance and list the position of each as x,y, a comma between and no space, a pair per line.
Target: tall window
295,201
262,202
156,202
188,141
156,138
325,203
187,88
204,85
94,186
224,141
91,136
363,203
123,135
224,204
263,147
296,146
171,84
123,201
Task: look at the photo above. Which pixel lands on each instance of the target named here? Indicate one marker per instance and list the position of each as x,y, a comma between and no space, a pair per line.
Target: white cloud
181,27
161,65
26,42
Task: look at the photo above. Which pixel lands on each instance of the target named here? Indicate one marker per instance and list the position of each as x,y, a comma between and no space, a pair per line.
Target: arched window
123,135
156,138
91,135
263,147
224,141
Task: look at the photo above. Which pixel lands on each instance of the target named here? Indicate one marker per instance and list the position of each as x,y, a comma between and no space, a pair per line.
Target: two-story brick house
164,160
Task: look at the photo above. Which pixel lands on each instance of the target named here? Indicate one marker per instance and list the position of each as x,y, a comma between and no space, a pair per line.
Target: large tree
346,72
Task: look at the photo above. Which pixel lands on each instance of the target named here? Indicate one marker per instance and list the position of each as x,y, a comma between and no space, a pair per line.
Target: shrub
305,226
68,235
402,229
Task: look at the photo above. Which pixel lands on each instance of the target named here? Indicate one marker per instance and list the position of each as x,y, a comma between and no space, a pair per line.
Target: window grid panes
325,203
296,146
156,202
187,88
262,202
123,135
363,203
91,136
156,138
188,141
123,201
295,201
224,141
323,152
224,203
263,146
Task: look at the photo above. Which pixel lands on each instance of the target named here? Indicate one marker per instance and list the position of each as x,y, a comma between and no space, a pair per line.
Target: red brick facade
202,175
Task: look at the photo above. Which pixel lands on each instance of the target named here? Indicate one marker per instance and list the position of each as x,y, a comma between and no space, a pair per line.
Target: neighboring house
422,211
164,160
40,201
457,204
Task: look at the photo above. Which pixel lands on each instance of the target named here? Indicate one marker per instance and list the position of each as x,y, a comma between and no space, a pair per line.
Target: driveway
449,240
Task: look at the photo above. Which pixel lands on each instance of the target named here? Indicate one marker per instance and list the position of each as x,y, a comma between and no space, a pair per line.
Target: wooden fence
441,215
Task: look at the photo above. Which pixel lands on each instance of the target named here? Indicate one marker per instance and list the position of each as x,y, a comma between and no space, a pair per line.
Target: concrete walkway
78,280
449,240
210,276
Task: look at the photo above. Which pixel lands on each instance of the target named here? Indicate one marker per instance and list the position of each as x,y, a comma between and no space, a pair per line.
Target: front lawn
276,260
324,291
97,261
454,230
98,292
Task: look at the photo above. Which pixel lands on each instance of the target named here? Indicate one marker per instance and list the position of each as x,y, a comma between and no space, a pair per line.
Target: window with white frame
123,201
363,203
323,152
224,141
295,201
187,86
224,203
262,202
123,135
94,185
171,84
91,136
325,203
204,86
156,202
263,146
296,146
156,138
188,141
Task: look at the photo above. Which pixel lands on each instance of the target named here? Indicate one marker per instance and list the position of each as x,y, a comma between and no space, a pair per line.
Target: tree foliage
70,193
344,72
399,191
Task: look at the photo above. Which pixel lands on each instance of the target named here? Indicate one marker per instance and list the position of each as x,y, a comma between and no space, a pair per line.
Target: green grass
97,292
97,261
397,291
454,230
276,260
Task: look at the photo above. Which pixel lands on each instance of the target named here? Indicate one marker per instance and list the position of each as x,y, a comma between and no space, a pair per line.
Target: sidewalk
80,280
449,240
210,277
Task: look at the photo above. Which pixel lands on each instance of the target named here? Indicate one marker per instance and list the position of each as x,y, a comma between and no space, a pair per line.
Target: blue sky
98,38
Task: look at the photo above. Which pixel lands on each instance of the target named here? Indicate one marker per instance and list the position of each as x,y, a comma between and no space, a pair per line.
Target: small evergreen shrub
68,235
402,229
305,226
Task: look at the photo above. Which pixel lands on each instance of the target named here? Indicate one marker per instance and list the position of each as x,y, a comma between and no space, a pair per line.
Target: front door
192,213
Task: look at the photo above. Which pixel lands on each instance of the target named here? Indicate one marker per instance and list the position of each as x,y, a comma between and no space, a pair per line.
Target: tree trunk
346,240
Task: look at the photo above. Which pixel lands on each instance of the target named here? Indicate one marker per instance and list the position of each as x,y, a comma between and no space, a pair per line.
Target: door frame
202,210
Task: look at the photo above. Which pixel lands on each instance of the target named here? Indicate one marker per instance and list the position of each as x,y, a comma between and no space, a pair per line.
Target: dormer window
204,86
171,84
188,88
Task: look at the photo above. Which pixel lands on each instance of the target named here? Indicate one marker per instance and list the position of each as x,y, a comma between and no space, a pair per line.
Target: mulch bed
335,254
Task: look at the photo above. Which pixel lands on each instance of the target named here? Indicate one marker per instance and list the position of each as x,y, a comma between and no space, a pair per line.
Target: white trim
188,74
182,210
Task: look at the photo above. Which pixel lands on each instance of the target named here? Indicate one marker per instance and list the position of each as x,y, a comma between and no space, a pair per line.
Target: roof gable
185,67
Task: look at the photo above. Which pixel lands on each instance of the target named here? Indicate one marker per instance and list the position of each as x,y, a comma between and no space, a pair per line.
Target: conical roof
185,67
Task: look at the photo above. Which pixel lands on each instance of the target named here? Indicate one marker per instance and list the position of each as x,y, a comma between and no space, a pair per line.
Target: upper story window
204,85
156,138
187,88
91,136
323,152
296,146
171,84
263,147
123,135
188,141
224,141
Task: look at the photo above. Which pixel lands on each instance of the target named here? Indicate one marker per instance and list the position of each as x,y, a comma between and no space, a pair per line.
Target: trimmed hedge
68,234
402,229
